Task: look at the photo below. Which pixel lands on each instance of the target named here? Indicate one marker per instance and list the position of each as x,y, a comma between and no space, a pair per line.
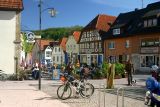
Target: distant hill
58,33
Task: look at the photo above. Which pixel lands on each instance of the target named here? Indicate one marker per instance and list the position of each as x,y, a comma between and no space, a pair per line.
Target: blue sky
74,12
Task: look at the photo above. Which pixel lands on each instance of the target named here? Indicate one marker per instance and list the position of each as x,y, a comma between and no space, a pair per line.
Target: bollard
99,96
104,93
121,88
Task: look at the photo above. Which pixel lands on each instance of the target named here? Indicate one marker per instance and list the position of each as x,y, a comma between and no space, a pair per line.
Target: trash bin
56,73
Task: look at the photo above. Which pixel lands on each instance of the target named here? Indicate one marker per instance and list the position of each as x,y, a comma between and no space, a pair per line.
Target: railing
103,89
122,89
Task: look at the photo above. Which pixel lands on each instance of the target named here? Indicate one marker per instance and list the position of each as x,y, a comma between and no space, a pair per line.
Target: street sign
30,37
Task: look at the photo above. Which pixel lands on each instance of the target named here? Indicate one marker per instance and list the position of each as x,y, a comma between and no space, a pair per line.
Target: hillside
58,33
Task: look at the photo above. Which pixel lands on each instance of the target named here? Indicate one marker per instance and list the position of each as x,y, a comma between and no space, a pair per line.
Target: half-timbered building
90,42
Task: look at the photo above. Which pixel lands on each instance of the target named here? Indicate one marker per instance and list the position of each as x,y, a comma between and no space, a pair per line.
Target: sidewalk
20,94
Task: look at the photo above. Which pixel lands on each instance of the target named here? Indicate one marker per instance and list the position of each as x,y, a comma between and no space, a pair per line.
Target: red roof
103,22
76,35
100,22
63,43
11,5
44,43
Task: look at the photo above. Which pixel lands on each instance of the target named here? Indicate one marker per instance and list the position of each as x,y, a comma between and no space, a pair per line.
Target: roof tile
76,35
11,5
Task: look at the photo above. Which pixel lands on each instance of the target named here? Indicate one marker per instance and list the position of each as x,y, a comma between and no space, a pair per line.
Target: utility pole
142,4
40,22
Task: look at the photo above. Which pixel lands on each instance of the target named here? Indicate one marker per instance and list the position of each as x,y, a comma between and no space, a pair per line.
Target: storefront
149,56
96,59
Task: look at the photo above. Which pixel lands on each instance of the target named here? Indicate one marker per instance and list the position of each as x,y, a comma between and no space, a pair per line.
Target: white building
72,47
48,55
58,55
10,34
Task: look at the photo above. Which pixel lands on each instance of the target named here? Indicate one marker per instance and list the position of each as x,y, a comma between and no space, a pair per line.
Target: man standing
35,73
129,69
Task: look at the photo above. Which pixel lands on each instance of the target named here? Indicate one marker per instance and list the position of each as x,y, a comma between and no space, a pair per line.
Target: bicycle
3,76
81,87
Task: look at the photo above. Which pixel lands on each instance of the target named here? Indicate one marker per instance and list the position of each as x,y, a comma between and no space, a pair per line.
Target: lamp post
53,13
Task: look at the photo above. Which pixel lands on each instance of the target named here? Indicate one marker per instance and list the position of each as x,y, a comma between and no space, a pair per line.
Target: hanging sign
30,37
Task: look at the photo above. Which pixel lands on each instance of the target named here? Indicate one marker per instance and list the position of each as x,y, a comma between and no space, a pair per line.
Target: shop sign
149,50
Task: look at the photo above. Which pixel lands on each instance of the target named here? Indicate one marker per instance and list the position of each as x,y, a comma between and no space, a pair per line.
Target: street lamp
52,11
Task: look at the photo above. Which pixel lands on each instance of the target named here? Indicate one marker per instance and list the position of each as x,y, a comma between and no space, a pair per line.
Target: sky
74,12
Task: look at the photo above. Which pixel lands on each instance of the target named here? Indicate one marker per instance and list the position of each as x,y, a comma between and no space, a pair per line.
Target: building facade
72,47
36,50
90,42
58,55
10,33
135,35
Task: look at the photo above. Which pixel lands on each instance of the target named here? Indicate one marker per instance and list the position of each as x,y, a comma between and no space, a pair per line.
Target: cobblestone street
134,95
27,91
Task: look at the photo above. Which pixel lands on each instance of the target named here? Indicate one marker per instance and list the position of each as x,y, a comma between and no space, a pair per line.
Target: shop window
147,61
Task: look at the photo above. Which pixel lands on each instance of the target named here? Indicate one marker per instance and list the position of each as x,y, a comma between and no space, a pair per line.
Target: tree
27,47
58,33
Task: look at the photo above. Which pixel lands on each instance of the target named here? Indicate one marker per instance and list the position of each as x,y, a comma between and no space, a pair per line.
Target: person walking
129,69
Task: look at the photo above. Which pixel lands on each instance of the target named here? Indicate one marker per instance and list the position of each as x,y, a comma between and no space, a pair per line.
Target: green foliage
119,69
26,46
105,66
58,33
98,74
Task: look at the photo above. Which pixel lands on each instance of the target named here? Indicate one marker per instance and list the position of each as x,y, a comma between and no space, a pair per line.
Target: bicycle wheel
64,92
86,90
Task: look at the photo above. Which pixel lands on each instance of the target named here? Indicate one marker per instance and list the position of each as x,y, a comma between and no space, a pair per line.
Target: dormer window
150,22
116,31
154,22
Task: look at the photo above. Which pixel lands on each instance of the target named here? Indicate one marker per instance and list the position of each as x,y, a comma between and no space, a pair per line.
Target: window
116,31
156,43
149,43
48,53
154,22
57,58
127,44
145,23
143,44
100,44
111,45
55,49
149,22
53,58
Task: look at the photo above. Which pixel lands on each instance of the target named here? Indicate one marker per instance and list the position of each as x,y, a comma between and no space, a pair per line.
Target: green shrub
119,69
104,69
